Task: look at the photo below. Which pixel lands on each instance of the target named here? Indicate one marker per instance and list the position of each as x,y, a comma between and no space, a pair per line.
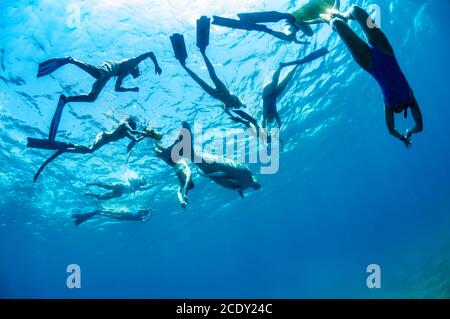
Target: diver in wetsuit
271,92
142,215
231,103
377,57
126,128
118,189
102,74
296,21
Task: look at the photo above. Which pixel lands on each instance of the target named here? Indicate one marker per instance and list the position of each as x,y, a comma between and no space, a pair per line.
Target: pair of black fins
249,21
179,45
46,68
203,31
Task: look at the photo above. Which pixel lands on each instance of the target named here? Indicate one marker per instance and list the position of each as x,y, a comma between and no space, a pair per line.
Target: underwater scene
224,149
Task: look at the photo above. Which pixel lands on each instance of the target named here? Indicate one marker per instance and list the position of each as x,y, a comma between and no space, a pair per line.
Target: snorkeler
221,170
142,215
231,103
297,21
377,57
181,168
126,128
102,74
274,89
118,189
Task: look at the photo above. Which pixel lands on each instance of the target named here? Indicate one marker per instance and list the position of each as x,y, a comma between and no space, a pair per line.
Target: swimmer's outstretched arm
182,192
417,115
282,36
144,188
135,132
133,138
119,87
390,122
144,56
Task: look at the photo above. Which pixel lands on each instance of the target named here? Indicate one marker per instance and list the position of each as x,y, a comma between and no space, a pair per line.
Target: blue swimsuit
386,70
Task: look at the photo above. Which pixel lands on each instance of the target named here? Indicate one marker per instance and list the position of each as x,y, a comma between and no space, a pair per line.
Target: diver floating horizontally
141,215
377,57
102,74
299,20
118,189
126,128
231,103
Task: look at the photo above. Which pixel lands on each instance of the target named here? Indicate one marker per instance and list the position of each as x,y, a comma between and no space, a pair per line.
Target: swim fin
81,218
56,119
309,58
45,144
51,66
131,146
203,26
179,47
237,24
264,17
48,161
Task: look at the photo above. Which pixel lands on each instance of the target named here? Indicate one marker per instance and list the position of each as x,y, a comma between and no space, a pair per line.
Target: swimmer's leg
373,32
91,96
102,185
271,88
94,195
182,196
92,70
417,115
212,74
205,86
357,47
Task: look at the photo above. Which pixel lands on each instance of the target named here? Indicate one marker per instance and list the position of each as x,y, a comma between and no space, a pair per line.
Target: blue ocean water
347,194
